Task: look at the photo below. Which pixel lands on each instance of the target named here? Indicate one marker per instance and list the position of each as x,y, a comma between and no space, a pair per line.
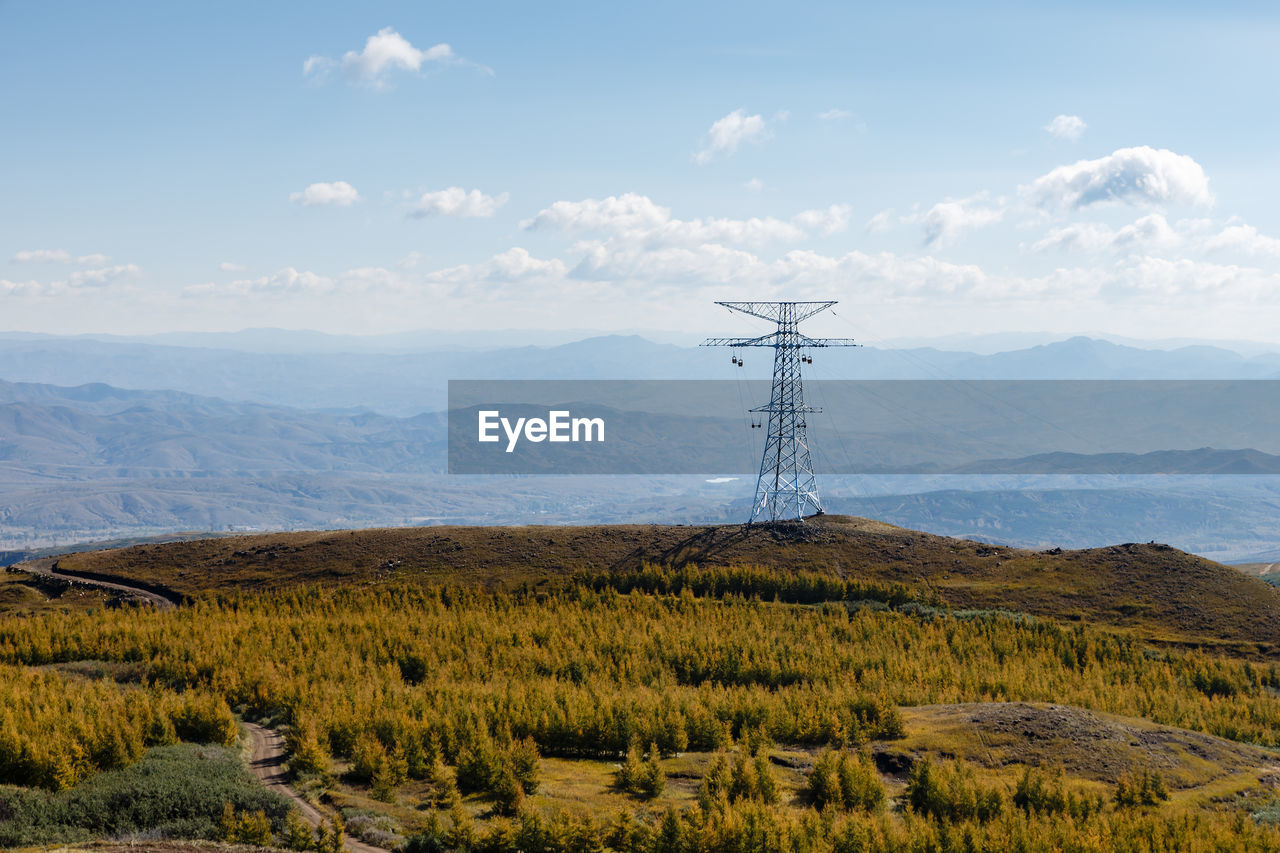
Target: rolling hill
1145,698
1164,593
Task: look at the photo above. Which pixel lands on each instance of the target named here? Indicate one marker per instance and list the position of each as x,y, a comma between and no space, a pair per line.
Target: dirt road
267,763
48,567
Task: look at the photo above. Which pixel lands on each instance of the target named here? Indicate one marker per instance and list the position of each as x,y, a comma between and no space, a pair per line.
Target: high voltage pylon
786,488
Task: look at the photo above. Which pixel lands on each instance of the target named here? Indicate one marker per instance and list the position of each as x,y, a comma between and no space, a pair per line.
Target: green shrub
297,834
478,764
331,837
508,794
1037,793
1143,788
951,793
204,718
245,827
307,755
846,782
173,792
749,777
522,760
641,775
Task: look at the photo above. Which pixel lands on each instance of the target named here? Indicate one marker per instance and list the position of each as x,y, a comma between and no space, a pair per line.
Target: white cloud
370,278
755,185
1246,239
388,50
824,222
834,114
881,277
628,212
20,288
85,279
42,256
687,265
316,64
1139,176
1066,127
339,193
228,266
880,222
1148,232
304,283
455,201
101,276
1146,276
728,133
512,266
285,281
1077,237
56,256
639,251
384,52
946,220
635,218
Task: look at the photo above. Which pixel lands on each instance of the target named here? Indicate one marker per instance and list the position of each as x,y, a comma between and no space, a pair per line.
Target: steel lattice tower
786,488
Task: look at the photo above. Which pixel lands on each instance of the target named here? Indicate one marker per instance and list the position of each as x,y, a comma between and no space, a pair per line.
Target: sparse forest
454,698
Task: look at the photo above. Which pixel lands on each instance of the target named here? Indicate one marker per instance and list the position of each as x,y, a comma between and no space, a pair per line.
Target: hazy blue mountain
1088,358
96,428
294,341
257,439
407,383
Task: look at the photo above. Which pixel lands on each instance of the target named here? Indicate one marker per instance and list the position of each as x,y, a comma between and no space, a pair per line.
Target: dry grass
1092,751
23,595
148,847
1164,593
1084,744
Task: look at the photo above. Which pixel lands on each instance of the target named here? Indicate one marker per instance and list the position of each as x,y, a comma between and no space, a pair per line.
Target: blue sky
1070,168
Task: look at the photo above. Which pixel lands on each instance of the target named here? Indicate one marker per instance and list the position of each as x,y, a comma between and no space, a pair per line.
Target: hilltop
1166,594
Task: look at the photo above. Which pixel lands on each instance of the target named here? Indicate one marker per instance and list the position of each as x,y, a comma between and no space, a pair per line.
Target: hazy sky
371,167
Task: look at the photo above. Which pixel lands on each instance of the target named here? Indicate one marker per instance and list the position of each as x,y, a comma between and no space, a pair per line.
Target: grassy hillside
1165,593
743,708
841,685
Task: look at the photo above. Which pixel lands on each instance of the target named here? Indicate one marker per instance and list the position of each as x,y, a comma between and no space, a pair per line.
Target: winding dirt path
48,567
267,763
267,760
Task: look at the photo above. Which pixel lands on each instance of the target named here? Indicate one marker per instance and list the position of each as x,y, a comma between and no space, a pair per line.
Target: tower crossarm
769,340
806,341
775,311
775,407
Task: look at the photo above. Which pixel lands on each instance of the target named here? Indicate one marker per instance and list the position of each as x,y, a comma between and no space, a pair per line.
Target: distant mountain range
413,382
104,430
231,439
